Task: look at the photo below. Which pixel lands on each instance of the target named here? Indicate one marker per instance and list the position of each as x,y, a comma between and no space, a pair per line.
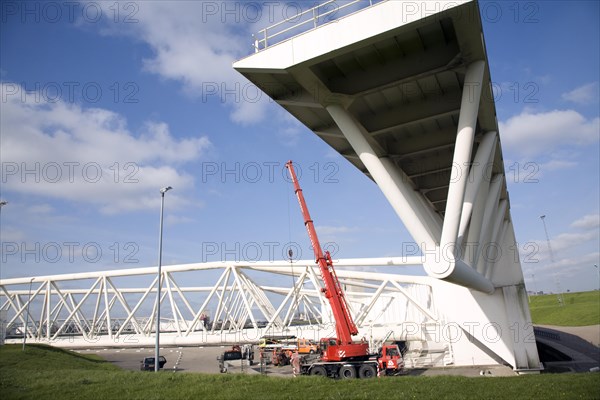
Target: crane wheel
347,372
318,371
367,371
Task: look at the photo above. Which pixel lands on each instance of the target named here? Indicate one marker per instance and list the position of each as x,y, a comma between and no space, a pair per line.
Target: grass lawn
42,372
579,309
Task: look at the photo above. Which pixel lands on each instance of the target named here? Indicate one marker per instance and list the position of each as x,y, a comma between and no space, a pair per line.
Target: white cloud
67,152
590,221
569,241
171,219
566,267
585,94
572,252
557,165
291,128
248,112
12,235
40,209
196,43
529,134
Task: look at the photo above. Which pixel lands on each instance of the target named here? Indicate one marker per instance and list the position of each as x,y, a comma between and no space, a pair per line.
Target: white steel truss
241,303
99,310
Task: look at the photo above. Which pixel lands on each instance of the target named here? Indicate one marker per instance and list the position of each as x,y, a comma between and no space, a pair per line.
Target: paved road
590,333
572,342
204,360
191,359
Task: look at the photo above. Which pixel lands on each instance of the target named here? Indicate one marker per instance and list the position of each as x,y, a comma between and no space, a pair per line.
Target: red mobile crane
341,356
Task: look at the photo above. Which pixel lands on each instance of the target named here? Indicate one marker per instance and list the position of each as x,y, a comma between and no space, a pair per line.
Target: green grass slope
46,373
579,309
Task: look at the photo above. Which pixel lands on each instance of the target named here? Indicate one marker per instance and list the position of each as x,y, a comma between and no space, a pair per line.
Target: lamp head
165,189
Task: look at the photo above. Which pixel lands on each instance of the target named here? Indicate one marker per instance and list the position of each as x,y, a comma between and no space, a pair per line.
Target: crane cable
290,252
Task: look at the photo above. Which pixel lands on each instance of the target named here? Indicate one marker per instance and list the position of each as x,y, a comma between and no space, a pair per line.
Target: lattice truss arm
93,304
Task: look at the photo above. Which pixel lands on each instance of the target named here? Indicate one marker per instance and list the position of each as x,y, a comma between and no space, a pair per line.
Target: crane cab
333,350
390,359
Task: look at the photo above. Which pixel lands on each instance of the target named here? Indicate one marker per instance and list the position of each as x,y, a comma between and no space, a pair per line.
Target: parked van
307,346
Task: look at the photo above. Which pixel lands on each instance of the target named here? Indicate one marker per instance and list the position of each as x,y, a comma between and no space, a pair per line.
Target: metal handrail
266,37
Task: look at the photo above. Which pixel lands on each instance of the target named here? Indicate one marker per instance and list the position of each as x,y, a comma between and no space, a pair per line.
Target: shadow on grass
68,353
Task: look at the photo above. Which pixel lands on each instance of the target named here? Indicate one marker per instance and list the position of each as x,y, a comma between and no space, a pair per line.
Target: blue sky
104,103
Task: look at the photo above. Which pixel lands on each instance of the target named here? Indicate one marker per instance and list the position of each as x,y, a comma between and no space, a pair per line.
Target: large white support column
472,243
444,263
489,272
394,186
491,206
481,167
488,245
467,121
403,198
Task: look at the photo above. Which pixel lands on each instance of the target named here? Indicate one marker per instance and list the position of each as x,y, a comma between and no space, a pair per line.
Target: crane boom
344,324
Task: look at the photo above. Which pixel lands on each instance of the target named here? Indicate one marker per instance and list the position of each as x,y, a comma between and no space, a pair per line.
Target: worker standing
295,363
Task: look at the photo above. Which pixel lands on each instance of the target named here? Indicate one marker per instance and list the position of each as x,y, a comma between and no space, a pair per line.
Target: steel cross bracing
92,308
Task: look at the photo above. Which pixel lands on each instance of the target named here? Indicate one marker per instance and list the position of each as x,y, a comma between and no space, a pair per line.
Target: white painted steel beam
395,186
500,239
491,206
469,109
481,169
491,247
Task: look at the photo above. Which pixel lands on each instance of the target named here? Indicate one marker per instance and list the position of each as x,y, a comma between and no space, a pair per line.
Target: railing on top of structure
304,21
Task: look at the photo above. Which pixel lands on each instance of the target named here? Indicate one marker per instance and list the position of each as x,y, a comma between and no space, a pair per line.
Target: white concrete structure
242,308
402,90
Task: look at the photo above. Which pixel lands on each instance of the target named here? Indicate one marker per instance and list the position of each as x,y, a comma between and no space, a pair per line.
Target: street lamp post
598,269
2,204
156,349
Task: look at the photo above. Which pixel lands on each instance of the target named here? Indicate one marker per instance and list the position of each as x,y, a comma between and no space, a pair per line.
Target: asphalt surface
201,359
584,354
204,360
